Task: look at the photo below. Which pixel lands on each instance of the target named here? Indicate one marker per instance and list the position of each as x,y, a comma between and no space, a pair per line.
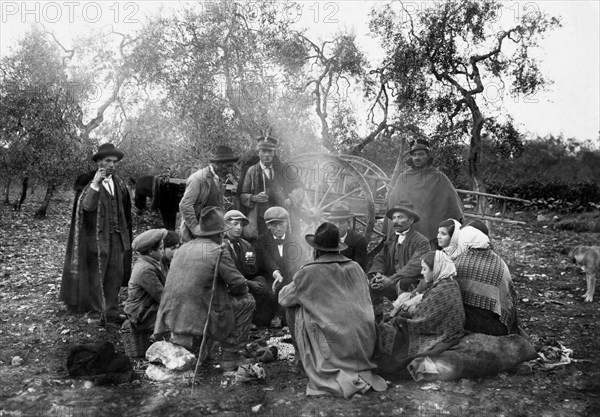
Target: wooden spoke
356,190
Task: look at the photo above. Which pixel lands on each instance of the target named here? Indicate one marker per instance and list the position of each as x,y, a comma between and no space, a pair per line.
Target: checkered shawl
439,317
485,282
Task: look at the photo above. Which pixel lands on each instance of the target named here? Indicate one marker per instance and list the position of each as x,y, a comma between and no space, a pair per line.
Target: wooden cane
210,303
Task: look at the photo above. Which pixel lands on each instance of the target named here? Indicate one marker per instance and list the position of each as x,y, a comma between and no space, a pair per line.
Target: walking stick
210,303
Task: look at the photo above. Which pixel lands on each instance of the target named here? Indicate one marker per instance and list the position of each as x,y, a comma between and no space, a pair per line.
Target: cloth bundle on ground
475,356
99,363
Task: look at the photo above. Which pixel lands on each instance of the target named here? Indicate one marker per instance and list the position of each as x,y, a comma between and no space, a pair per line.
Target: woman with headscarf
486,286
447,237
436,324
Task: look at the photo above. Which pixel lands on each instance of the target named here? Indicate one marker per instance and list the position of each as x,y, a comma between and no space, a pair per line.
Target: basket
135,342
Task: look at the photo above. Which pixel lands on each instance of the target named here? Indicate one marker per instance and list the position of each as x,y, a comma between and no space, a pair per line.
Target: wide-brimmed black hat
223,154
419,145
326,238
211,222
403,207
107,149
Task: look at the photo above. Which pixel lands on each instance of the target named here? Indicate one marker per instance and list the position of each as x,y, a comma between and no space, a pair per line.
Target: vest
273,190
215,196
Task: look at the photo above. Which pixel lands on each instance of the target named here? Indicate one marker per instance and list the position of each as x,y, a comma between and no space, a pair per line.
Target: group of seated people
219,285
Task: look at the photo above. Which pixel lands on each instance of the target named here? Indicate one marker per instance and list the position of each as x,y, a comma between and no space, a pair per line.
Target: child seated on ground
147,282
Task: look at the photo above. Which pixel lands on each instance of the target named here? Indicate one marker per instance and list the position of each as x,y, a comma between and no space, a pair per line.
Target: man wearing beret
356,243
186,302
205,188
432,194
147,281
98,257
397,267
244,256
267,184
280,255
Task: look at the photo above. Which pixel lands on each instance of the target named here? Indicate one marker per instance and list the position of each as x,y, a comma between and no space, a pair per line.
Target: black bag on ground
99,363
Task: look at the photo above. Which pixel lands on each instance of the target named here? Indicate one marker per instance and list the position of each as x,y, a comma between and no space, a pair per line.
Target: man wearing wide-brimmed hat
98,258
429,190
268,184
333,323
205,188
184,306
398,266
357,245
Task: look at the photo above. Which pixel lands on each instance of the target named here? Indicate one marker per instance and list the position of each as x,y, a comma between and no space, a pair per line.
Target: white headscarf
443,267
471,238
452,249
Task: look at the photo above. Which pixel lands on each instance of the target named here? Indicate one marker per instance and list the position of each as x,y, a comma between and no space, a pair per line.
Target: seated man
357,244
184,307
398,265
244,256
279,254
333,324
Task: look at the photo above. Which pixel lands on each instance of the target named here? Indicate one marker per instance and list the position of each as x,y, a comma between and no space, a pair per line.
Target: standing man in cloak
98,256
430,191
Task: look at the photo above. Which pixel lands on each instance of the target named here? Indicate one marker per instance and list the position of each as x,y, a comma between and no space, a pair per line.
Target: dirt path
35,326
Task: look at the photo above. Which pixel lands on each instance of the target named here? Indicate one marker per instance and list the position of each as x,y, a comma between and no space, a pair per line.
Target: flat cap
276,214
148,239
236,215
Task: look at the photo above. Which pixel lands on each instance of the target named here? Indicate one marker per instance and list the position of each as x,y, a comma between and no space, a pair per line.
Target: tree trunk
475,150
41,212
7,191
24,186
400,165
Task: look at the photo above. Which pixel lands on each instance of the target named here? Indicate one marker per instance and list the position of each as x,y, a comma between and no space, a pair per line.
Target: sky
569,56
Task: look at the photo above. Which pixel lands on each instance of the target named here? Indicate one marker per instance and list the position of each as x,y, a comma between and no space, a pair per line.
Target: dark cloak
73,290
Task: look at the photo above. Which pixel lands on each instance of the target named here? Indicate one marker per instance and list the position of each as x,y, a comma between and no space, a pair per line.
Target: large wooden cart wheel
377,179
328,179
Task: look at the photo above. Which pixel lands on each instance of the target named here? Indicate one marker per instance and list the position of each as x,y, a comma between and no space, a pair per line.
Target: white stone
542,218
159,373
171,356
17,361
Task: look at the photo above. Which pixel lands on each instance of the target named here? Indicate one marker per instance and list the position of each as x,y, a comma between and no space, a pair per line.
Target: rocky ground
37,328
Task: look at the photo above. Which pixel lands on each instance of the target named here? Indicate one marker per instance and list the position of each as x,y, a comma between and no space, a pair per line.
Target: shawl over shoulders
433,196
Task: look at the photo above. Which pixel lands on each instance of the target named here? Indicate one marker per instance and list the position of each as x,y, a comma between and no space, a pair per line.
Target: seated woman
147,281
447,237
486,286
437,322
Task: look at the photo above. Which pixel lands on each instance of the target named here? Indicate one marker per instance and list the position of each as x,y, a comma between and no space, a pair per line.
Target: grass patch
584,222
